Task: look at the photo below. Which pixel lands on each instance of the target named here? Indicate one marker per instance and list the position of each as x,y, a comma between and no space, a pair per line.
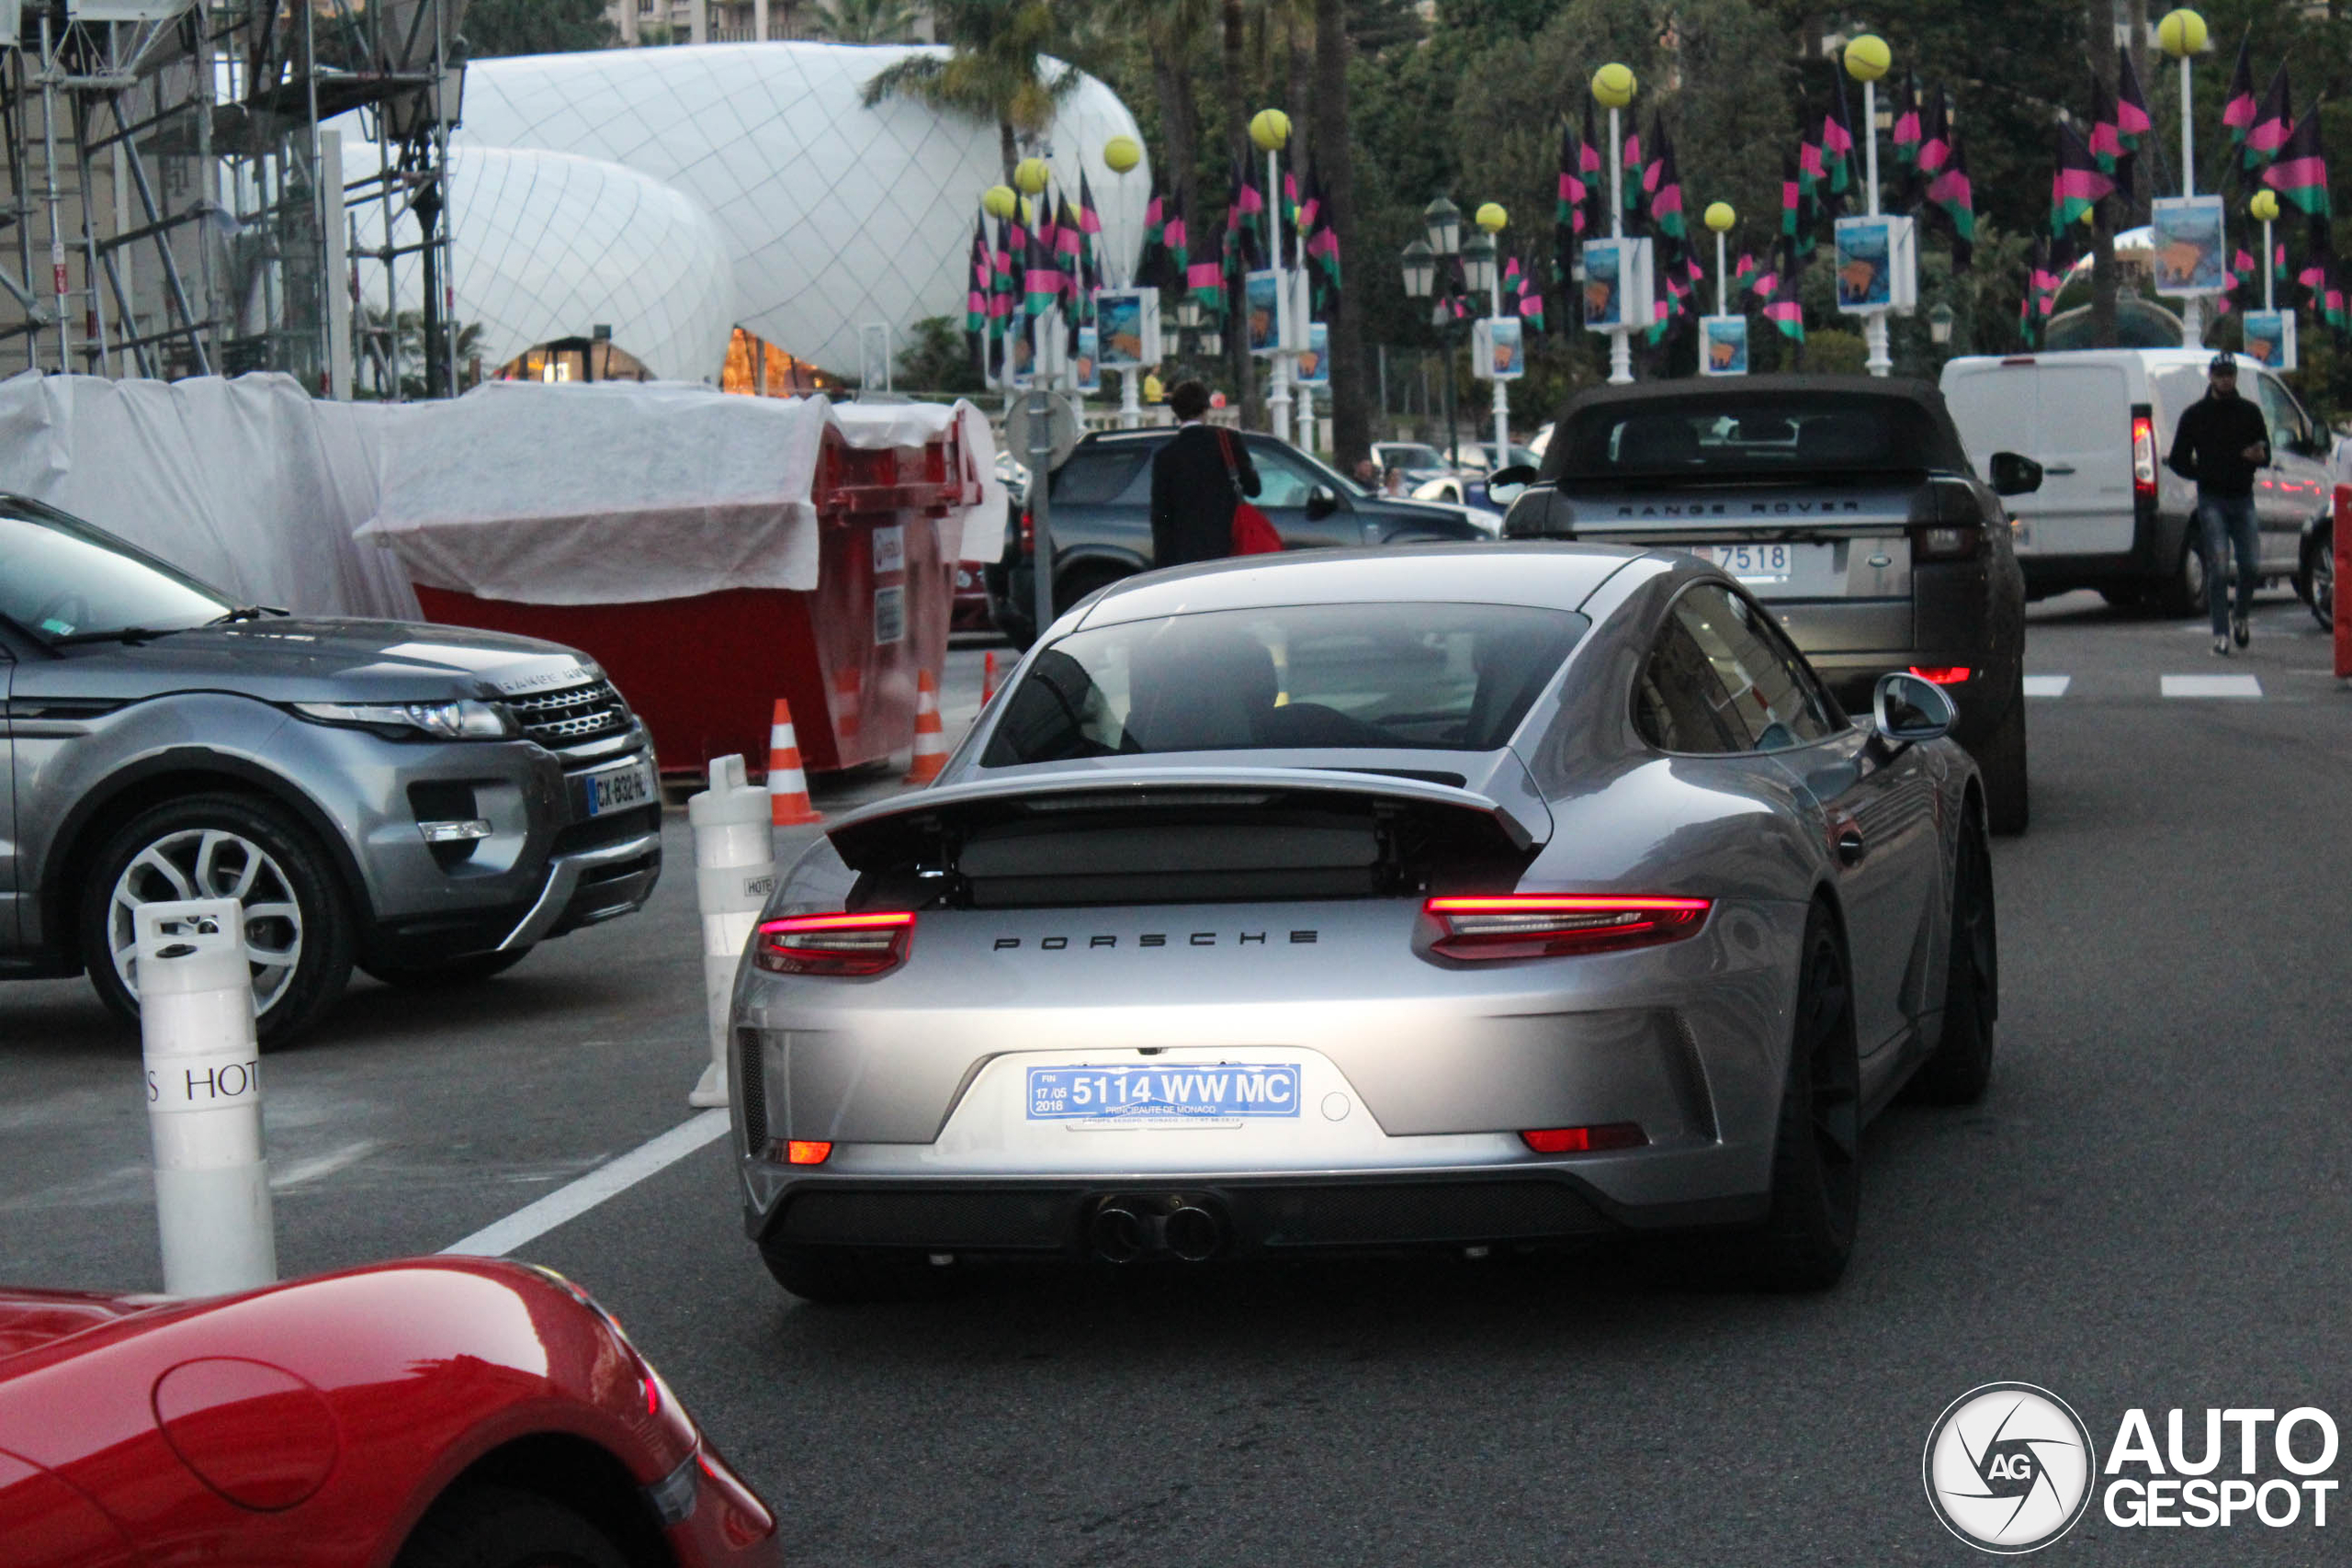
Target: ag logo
2008,1468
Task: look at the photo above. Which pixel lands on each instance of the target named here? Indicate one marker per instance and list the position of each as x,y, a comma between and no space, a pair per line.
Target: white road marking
2211,686
2047,685
575,1198
301,1172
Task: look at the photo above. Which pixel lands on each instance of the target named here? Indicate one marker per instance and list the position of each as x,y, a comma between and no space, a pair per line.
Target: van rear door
2073,419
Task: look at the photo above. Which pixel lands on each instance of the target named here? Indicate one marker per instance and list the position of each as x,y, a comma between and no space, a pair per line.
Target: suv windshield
1445,677
60,578
1718,435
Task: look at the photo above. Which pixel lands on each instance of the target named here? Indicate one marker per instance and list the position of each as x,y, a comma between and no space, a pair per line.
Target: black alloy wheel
2001,758
1962,1067
1817,1188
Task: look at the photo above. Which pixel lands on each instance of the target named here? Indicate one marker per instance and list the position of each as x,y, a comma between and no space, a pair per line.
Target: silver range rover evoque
1454,896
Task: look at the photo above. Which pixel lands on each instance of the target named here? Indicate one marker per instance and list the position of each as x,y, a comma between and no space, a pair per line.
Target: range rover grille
565,719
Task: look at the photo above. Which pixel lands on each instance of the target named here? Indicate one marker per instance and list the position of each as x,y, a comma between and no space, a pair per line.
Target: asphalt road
2151,1209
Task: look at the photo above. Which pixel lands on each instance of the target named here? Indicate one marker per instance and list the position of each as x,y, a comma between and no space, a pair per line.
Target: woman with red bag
1200,484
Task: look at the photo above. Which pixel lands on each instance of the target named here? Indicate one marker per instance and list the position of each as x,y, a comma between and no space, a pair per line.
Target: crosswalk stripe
2211,686
2047,685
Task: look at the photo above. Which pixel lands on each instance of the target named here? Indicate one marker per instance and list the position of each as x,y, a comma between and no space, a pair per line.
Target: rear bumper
1371,1211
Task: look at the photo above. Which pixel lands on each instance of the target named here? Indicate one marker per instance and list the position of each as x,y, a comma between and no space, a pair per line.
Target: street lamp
1420,270
1419,263
1478,264
1443,221
1940,324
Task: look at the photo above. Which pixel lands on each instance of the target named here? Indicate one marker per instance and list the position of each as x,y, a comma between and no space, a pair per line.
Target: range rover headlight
464,719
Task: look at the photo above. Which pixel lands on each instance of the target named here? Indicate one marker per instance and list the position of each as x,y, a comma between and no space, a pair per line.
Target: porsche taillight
835,943
1550,925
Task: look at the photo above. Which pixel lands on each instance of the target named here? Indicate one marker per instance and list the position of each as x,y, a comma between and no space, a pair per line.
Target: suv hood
312,660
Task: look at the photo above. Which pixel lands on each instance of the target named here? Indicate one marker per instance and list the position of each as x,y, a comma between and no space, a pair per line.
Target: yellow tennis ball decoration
1270,129
1121,153
1720,217
2181,33
1613,86
1866,57
1031,175
1000,202
2264,205
1491,217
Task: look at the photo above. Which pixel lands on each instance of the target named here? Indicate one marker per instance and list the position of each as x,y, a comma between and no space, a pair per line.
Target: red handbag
1253,534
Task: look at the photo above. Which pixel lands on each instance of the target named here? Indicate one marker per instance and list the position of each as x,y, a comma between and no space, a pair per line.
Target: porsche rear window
1443,677
1719,436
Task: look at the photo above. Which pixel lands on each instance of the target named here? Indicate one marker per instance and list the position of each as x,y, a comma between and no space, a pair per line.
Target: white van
2109,515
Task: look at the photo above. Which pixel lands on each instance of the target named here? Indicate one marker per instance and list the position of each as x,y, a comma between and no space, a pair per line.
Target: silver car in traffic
1455,895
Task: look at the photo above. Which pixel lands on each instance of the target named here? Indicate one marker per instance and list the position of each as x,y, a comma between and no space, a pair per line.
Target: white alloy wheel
211,863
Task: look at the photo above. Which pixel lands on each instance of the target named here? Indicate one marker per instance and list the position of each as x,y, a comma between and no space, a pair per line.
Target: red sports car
429,1414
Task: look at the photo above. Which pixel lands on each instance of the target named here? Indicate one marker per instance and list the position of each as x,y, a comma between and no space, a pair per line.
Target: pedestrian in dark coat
2222,442
1193,479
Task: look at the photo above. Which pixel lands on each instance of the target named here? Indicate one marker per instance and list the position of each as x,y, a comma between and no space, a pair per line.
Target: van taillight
2143,457
1028,532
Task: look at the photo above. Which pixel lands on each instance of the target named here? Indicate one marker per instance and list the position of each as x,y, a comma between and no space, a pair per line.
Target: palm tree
1335,161
1172,30
865,21
993,70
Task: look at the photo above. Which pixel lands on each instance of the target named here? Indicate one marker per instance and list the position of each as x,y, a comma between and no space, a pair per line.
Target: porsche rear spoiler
1186,834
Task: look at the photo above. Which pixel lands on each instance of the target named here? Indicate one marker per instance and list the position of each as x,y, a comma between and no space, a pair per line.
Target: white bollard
734,873
196,1017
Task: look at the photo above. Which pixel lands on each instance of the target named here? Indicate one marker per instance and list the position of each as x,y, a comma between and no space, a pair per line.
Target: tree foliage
537,27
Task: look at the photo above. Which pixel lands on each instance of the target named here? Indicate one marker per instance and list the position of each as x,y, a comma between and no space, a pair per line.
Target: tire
2318,584
1080,581
844,1275
1962,1067
1809,1233
220,846
2183,592
457,972
496,1527
2001,758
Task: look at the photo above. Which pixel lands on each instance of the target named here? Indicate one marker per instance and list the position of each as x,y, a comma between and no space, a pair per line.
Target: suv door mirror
1321,501
1506,485
2014,474
1906,710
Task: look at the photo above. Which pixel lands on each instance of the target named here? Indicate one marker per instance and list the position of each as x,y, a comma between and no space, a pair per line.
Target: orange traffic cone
987,679
788,804
931,738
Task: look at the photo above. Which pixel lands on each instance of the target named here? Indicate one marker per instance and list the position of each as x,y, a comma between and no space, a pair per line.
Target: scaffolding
181,163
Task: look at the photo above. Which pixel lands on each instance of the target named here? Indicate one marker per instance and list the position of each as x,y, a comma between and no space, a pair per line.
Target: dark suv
423,801
1102,517
1845,504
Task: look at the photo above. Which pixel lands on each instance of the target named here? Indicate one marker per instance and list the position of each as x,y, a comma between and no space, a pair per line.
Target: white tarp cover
620,492
250,485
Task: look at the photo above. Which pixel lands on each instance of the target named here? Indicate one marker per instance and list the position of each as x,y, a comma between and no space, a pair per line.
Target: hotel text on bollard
734,873
203,1095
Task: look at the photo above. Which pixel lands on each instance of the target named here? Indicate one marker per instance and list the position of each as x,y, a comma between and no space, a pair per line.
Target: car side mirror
1506,485
2015,475
1907,710
1321,501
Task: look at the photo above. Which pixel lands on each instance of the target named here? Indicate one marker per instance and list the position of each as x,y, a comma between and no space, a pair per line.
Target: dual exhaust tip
1126,1229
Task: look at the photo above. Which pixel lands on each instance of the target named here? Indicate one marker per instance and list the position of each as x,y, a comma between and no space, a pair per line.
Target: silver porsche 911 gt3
1461,896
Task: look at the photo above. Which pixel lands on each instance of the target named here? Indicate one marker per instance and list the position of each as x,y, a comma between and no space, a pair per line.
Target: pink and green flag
2077,185
2299,173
